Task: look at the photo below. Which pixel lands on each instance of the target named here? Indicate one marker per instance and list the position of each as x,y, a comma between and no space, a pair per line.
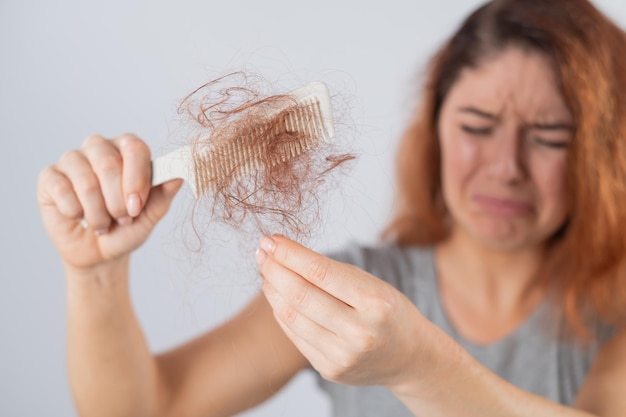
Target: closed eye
551,144
478,131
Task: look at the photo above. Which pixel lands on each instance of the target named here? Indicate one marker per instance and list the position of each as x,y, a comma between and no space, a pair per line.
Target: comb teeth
294,131
282,134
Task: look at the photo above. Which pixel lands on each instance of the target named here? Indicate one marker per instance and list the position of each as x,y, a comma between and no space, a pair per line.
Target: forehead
514,80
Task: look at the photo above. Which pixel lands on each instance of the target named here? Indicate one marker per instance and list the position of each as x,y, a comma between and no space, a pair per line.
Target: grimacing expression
504,130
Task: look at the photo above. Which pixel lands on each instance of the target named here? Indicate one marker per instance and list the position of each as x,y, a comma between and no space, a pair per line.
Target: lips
503,206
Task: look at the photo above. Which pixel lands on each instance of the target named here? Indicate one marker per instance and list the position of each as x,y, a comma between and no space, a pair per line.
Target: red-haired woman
500,290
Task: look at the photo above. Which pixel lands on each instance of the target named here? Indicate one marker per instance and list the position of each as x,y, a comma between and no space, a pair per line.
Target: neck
491,277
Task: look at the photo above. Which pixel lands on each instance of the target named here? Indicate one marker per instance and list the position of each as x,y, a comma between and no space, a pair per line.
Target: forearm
461,386
112,372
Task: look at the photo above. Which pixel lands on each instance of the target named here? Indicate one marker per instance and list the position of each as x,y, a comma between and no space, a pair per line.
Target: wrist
431,365
108,274
98,294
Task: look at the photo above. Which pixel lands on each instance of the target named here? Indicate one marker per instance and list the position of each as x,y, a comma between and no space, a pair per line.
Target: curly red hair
586,258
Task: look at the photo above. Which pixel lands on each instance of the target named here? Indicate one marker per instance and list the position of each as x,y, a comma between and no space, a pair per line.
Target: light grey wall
71,68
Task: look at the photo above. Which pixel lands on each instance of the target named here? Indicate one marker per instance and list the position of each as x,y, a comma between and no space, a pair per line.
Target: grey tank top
533,357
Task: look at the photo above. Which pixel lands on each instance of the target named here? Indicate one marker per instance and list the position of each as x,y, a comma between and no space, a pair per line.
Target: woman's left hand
352,327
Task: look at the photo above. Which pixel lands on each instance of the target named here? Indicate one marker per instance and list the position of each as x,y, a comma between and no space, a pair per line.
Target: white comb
309,114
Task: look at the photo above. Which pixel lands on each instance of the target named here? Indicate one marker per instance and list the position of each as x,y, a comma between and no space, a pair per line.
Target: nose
507,159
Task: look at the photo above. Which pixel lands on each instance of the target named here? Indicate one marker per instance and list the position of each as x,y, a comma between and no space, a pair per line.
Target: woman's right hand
97,204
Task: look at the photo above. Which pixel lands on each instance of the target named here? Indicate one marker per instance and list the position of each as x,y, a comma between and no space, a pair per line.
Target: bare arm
604,390
235,367
221,373
111,369
467,388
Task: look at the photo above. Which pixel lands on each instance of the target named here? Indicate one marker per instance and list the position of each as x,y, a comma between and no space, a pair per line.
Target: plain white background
73,68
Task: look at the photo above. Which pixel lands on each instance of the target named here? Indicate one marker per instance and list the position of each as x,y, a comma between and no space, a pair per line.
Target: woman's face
504,130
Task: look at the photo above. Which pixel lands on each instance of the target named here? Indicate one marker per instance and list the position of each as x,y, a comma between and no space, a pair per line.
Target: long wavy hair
586,260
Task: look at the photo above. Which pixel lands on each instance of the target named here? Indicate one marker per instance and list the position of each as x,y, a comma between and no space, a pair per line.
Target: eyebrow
552,126
478,112
541,126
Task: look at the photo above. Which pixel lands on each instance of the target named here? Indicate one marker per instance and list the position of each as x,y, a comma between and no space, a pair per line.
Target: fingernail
260,256
123,221
268,244
133,205
84,224
101,232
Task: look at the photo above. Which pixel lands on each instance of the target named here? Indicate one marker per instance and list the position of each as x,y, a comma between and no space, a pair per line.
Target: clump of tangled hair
279,195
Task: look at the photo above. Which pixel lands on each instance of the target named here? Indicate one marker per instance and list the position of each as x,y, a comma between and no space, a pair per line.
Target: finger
106,162
159,201
136,172
296,323
315,356
333,277
324,322
75,166
324,351
55,189
303,297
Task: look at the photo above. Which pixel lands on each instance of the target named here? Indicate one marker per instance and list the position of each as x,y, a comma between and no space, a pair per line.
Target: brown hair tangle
278,195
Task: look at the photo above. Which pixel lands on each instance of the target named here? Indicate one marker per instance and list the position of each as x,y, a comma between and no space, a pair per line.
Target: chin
509,244
504,237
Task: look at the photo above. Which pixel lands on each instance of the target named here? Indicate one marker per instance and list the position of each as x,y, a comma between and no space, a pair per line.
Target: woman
498,294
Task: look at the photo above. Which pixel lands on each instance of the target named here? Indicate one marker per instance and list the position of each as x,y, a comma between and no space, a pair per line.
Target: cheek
460,160
551,183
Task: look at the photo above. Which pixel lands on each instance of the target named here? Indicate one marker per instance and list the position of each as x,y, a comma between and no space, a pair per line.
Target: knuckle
116,211
87,184
59,187
132,145
381,304
289,315
128,136
70,156
53,187
333,374
99,223
45,177
319,270
346,363
73,212
362,337
93,140
382,309
336,369
284,252
301,296
109,163
366,341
